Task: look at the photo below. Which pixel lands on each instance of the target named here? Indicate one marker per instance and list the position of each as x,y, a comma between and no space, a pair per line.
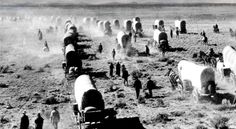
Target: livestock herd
199,77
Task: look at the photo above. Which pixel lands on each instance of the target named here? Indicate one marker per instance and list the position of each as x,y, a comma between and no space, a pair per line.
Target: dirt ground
29,76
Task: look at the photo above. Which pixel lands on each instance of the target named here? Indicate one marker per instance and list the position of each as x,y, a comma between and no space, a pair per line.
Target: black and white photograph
117,64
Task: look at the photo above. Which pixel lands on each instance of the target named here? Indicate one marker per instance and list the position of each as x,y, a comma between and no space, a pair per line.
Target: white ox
201,78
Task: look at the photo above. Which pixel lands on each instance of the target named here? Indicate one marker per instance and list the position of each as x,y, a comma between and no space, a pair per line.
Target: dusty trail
27,89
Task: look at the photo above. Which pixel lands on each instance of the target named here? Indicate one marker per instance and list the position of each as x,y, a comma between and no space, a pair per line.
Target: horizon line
113,4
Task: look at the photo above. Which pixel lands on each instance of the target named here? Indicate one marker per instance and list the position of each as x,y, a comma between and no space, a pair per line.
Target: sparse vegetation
28,67
120,104
3,85
201,127
4,120
219,122
136,74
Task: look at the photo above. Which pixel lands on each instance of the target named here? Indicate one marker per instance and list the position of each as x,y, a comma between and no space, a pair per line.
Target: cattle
181,25
174,79
201,78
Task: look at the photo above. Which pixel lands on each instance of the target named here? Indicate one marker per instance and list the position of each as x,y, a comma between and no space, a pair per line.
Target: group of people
40,37
119,68
54,118
137,83
177,31
138,86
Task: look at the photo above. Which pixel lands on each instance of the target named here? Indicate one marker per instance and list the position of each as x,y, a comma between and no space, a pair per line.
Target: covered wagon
116,24
72,59
181,25
86,20
128,25
89,107
200,78
159,24
107,28
136,19
137,28
229,57
123,40
161,39
100,26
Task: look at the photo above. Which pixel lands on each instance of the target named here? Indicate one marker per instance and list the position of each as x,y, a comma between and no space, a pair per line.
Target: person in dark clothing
100,48
39,122
113,54
203,33
177,32
125,76
137,86
40,34
205,40
24,124
211,52
135,37
150,86
118,69
171,33
111,69
147,51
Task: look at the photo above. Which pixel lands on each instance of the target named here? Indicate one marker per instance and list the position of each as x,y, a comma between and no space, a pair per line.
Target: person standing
137,86
118,69
125,75
100,48
171,33
147,51
177,32
150,86
39,122
135,37
46,48
111,69
40,34
24,124
55,117
113,54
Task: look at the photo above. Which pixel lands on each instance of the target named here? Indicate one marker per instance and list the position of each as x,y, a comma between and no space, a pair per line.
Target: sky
108,1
